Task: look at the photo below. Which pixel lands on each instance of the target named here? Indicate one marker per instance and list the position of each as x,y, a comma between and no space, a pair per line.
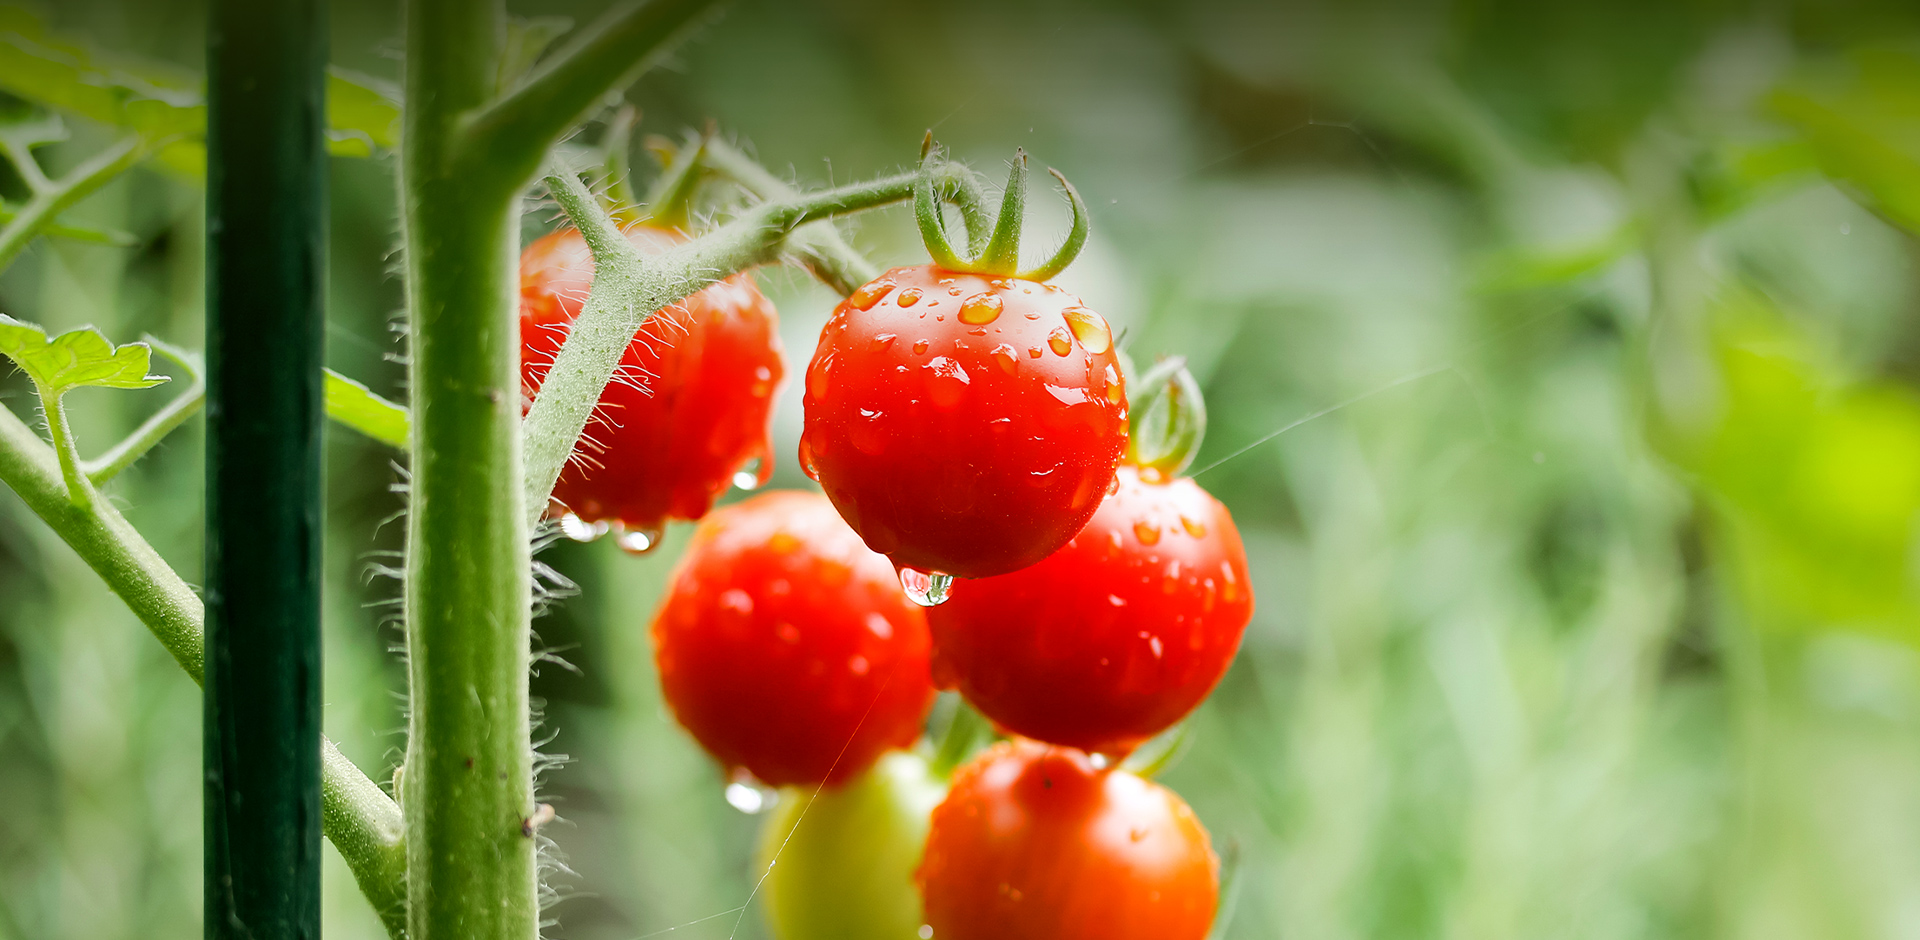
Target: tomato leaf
165,105
1861,117
352,404
75,358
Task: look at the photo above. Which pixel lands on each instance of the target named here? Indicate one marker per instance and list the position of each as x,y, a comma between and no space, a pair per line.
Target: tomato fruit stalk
687,413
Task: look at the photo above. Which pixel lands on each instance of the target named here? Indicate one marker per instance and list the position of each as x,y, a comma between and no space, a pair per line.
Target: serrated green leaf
75,358
353,405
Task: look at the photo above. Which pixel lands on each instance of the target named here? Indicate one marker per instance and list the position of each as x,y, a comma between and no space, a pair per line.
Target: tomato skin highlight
964,423
845,871
1113,638
1033,843
787,648
689,405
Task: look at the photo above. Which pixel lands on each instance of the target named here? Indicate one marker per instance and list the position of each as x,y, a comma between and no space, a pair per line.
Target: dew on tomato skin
1068,396
1060,341
1033,352
908,297
947,381
926,932
879,342
1194,527
879,625
953,291
1146,532
817,379
1114,394
639,541
1113,485
866,296
806,460
926,588
1090,328
580,530
736,601
1006,358
920,347
1116,600
981,309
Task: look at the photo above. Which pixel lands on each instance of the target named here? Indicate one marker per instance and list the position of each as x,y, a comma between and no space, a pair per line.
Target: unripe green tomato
846,871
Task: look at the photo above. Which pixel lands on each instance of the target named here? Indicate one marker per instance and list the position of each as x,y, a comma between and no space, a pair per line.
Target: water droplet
947,382
1090,328
640,541
1194,527
1114,392
926,932
953,291
869,294
1146,532
926,588
806,460
580,530
748,476
736,601
1033,352
1098,760
879,626
1006,358
879,342
1060,341
981,309
908,297
750,797
1157,647
817,375
1116,600
920,348
1113,485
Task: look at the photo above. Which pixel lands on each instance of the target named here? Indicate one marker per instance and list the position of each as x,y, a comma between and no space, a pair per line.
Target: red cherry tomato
964,424
1114,637
689,405
787,648
1033,843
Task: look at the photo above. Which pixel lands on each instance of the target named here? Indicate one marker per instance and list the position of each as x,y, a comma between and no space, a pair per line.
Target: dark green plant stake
266,220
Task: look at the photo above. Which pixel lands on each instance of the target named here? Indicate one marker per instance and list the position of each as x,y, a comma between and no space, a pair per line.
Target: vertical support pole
266,223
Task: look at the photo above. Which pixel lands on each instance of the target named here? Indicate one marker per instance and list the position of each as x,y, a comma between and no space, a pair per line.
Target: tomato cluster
996,521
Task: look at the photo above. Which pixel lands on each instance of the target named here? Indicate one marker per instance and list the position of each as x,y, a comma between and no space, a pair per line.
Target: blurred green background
1588,595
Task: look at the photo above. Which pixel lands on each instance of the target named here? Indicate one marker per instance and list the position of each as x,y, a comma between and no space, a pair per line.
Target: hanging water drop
640,541
748,476
580,530
926,588
749,797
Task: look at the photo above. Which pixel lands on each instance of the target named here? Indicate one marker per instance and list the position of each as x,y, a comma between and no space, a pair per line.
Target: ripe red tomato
689,405
1114,637
964,424
1034,843
787,648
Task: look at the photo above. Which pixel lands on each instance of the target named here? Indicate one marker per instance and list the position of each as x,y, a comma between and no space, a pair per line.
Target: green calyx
1168,420
999,252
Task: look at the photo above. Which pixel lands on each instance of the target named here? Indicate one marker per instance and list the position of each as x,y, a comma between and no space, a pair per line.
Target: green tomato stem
816,246
357,817
150,433
51,199
629,287
79,490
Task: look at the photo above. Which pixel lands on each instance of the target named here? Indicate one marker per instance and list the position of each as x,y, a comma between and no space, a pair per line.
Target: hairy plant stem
629,287
358,818
51,197
465,157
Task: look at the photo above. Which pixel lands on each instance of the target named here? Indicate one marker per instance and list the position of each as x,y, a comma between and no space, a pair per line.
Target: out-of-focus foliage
1587,587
